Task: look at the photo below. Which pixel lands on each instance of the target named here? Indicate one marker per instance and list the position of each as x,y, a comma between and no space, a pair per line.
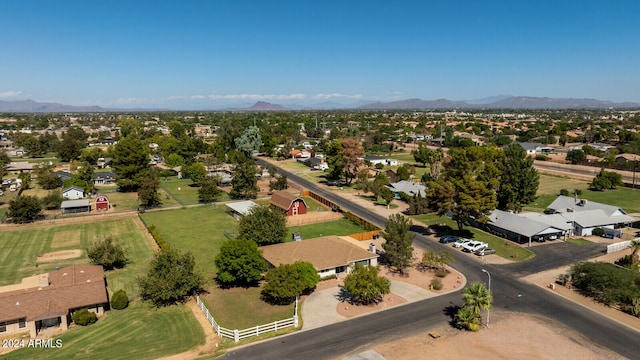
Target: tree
25,177
278,183
606,180
352,152
107,253
53,200
263,225
465,317
439,260
196,172
477,297
362,181
287,281
209,190
403,173
244,181
69,148
422,154
519,181
240,262
24,209
397,247
635,254
468,186
365,286
250,141
46,177
173,160
387,195
576,156
171,277
335,160
131,163
148,194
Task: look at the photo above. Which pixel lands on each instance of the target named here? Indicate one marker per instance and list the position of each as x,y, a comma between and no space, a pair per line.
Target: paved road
510,294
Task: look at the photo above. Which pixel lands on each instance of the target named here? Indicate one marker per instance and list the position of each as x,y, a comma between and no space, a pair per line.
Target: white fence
237,335
618,246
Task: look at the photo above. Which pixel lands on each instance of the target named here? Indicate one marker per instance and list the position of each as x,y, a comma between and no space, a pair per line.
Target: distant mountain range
494,102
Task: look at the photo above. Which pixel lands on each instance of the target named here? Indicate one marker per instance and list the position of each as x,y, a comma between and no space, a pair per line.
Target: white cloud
198,97
337,95
130,100
10,94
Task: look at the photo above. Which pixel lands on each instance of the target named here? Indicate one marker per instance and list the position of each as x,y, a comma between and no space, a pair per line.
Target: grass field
240,308
196,229
19,250
336,227
137,332
503,247
550,186
182,191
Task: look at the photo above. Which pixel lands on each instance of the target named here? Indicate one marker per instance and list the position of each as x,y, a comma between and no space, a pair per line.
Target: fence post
295,312
236,335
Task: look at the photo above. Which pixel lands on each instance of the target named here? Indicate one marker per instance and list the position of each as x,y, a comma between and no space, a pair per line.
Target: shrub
436,284
119,300
542,157
598,232
379,166
84,317
564,192
441,273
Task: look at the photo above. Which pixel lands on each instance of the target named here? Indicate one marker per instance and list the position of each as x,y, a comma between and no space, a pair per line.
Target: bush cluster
436,284
84,317
162,243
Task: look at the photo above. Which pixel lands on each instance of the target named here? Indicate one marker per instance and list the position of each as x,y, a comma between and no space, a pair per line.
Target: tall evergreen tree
519,180
131,163
397,247
244,181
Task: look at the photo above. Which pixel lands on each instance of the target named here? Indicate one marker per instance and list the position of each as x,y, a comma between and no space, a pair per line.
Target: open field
197,229
182,191
336,227
240,308
504,248
138,332
19,249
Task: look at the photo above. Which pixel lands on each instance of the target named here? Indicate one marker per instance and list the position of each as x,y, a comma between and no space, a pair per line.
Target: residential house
524,228
407,187
104,162
330,255
20,166
316,163
48,300
375,160
587,215
104,178
626,158
73,192
64,175
535,148
292,205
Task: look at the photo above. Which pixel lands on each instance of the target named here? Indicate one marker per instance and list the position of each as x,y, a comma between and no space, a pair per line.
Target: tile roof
324,252
69,288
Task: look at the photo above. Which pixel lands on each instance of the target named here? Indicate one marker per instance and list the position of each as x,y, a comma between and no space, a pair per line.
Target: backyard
120,334
336,227
183,191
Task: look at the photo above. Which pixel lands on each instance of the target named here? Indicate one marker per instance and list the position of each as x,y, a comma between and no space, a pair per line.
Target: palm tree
477,297
465,317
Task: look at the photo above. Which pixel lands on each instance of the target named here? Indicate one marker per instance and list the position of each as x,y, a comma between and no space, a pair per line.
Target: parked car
474,246
461,242
445,239
485,251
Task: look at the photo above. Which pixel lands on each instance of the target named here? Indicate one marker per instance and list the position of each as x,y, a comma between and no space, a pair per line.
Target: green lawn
240,308
138,332
336,227
197,229
504,248
19,250
552,184
293,165
183,192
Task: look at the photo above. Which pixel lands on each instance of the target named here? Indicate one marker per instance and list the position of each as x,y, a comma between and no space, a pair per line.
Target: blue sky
205,54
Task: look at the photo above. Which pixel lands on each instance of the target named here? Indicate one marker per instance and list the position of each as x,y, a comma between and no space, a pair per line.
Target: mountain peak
263,105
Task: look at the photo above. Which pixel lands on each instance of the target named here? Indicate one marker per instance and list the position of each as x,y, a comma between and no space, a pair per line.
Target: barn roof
284,199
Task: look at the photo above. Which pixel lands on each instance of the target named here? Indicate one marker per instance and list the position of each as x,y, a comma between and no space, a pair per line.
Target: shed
75,206
102,203
291,204
241,208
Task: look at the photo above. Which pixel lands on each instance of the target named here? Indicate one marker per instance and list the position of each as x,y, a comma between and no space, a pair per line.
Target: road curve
510,294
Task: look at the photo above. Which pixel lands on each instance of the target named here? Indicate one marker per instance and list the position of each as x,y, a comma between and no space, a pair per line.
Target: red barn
102,203
291,204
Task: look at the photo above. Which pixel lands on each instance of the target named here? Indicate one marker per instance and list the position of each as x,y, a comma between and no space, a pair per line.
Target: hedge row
162,243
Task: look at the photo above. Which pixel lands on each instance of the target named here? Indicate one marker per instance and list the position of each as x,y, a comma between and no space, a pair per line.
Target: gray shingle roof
564,204
527,225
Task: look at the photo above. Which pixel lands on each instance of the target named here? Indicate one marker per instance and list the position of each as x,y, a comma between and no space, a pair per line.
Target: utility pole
488,311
